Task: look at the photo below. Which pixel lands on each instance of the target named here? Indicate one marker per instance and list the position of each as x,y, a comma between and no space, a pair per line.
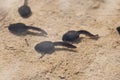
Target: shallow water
94,60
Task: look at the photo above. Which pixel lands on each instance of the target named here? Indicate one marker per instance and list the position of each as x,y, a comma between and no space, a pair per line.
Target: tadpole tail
42,56
64,44
38,29
88,34
25,2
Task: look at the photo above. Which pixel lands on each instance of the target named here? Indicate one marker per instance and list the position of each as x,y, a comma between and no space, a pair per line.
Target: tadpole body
48,47
25,10
73,36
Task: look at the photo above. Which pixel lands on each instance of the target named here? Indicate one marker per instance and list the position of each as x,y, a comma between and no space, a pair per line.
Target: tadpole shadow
57,49
39,31
65,49
29,33
77,41
82,38
35,34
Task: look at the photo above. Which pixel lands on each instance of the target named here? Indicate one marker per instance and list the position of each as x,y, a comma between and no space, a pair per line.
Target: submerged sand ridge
94,60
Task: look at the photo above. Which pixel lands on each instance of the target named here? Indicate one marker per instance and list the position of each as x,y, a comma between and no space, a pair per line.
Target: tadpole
73,36
25,10
118,29
48,47
21,29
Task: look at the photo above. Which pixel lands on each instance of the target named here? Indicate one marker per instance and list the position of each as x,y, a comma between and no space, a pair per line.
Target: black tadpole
48,47
73,36
21,29
118,29
25,10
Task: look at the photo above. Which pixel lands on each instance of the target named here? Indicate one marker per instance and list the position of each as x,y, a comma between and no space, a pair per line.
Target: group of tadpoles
47,47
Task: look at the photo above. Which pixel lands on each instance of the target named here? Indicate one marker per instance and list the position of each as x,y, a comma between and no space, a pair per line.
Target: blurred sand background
94,60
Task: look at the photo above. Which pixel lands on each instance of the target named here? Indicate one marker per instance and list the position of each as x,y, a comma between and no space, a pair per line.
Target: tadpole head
45,47
70,36
25,11
17,28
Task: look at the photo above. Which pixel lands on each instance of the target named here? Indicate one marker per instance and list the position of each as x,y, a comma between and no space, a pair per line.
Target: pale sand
94,60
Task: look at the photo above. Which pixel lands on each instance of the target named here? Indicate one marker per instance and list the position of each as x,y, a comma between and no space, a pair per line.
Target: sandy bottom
93,59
